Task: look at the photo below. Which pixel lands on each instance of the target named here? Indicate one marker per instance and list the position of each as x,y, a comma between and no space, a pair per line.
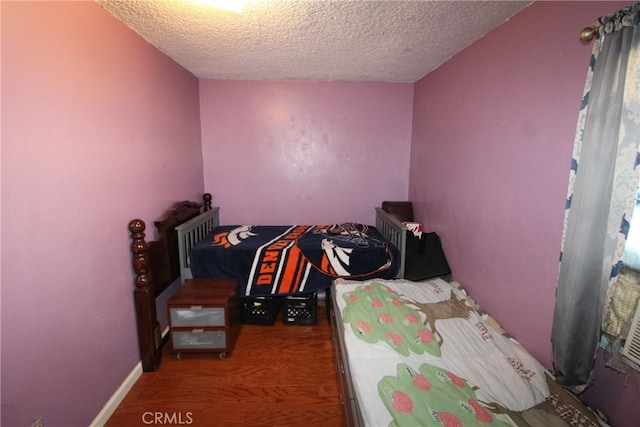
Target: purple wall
492,141
98,128
304,152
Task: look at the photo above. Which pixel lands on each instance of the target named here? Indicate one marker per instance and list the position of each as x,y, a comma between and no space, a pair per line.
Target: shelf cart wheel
222,355
178,356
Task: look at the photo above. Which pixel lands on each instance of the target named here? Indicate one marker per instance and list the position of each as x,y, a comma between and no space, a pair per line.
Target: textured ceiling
365,40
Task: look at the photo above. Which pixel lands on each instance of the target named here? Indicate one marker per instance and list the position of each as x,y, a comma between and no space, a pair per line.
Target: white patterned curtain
602,192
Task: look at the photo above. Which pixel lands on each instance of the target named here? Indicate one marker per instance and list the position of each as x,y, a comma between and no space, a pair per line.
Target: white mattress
496,368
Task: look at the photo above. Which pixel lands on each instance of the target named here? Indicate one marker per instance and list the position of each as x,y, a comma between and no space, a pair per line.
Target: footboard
396,232
190,233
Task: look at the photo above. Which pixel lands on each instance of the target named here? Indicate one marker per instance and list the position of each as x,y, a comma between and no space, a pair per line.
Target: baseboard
111,406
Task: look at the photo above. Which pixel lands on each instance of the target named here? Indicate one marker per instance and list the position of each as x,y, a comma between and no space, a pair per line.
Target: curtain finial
587,34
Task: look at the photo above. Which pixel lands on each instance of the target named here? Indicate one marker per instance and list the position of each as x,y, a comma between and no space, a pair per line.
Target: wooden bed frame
159,263
350,406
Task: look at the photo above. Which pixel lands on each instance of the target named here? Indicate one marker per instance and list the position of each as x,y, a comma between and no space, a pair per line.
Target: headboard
402,211
156,266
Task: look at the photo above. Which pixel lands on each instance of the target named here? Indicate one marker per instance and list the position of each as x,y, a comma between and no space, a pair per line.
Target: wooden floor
278,375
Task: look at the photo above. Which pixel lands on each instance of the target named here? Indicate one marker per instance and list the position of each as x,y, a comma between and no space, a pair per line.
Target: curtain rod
589,33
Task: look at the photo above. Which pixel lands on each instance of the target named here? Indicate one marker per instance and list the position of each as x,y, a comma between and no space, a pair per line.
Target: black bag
424,257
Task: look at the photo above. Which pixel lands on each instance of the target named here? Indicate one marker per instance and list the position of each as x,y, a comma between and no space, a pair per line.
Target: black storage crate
300,310
260,310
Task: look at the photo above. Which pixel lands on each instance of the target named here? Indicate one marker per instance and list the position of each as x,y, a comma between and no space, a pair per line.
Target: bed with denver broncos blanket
284,260
424,354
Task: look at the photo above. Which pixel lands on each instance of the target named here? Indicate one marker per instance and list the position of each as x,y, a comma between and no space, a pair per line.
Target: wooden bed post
206,198
157,265
149,337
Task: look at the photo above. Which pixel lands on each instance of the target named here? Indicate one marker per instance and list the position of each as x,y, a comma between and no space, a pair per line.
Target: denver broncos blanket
282,260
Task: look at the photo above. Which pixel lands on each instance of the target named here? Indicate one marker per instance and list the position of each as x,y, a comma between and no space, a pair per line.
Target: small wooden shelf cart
204,317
